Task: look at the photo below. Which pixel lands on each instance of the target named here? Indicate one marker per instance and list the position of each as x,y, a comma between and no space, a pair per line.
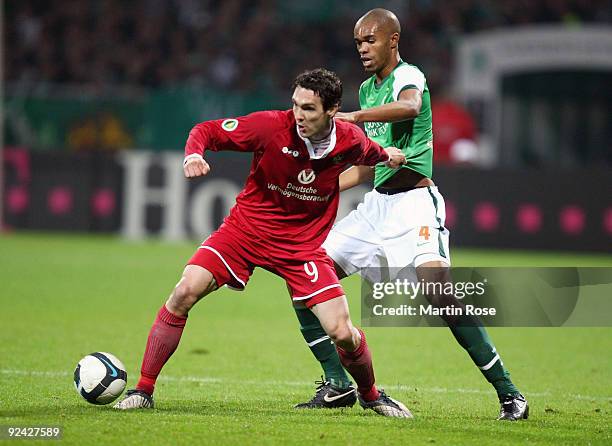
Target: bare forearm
392,112
354,176
408,106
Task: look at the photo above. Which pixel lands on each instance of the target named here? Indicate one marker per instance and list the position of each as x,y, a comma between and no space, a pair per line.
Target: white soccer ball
100,378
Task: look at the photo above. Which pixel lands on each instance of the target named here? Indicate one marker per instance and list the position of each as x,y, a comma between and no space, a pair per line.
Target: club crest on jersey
306,176
229,125
286,149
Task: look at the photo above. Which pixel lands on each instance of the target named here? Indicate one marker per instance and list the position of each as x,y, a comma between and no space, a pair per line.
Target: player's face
312,120
375,46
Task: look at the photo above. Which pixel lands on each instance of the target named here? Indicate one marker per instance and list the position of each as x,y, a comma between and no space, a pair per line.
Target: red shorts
231,256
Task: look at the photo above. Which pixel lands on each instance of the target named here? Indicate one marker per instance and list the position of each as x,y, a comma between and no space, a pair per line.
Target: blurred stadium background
99,97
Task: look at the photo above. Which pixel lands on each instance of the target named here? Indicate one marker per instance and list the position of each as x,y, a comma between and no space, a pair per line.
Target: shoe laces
386,398
506,399
144,395
321,384
382,395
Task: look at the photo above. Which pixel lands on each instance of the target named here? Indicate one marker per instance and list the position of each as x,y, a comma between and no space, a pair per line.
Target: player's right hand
396,157
196,167
347,116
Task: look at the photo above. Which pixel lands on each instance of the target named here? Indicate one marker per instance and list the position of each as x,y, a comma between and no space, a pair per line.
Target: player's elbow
198,128
409,107
410,110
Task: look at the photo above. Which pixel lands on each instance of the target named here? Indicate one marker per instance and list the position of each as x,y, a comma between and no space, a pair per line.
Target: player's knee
184,291
184,296
342,335
435,276
195,284
434,272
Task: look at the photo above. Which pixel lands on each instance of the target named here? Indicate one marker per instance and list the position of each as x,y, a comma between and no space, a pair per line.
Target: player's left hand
347,116
396,157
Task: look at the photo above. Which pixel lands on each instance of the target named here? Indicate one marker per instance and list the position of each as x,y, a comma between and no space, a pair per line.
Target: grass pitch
242,363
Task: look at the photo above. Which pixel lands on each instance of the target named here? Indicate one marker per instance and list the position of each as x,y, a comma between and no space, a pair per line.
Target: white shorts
396,231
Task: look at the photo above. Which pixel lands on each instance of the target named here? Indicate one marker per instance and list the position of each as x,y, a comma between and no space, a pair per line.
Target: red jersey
291,195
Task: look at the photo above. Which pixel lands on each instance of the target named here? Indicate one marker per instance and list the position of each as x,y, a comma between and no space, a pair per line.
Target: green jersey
413,137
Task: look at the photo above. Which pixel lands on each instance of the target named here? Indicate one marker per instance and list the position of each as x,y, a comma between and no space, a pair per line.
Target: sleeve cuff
190,157
407,87
385,161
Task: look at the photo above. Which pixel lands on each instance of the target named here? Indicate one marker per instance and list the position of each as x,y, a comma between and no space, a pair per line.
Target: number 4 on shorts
424,232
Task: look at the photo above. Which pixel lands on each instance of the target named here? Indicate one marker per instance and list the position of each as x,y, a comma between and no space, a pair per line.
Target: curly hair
326,84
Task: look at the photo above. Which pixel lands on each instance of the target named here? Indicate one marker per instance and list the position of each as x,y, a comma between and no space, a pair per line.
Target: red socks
359,364
166,333
163,339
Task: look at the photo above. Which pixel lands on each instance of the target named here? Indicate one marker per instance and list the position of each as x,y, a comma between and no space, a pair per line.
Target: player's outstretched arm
195,166
356,175
242,134
408,106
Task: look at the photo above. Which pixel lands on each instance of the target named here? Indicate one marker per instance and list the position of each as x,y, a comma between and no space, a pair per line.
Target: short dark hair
326,84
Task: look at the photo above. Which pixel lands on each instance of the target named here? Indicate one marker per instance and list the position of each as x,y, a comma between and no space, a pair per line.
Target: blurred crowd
244,44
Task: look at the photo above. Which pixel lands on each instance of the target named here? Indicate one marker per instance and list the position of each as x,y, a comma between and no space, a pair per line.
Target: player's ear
395,40
332,111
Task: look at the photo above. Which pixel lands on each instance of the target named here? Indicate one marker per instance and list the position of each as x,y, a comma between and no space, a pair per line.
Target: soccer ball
100,378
